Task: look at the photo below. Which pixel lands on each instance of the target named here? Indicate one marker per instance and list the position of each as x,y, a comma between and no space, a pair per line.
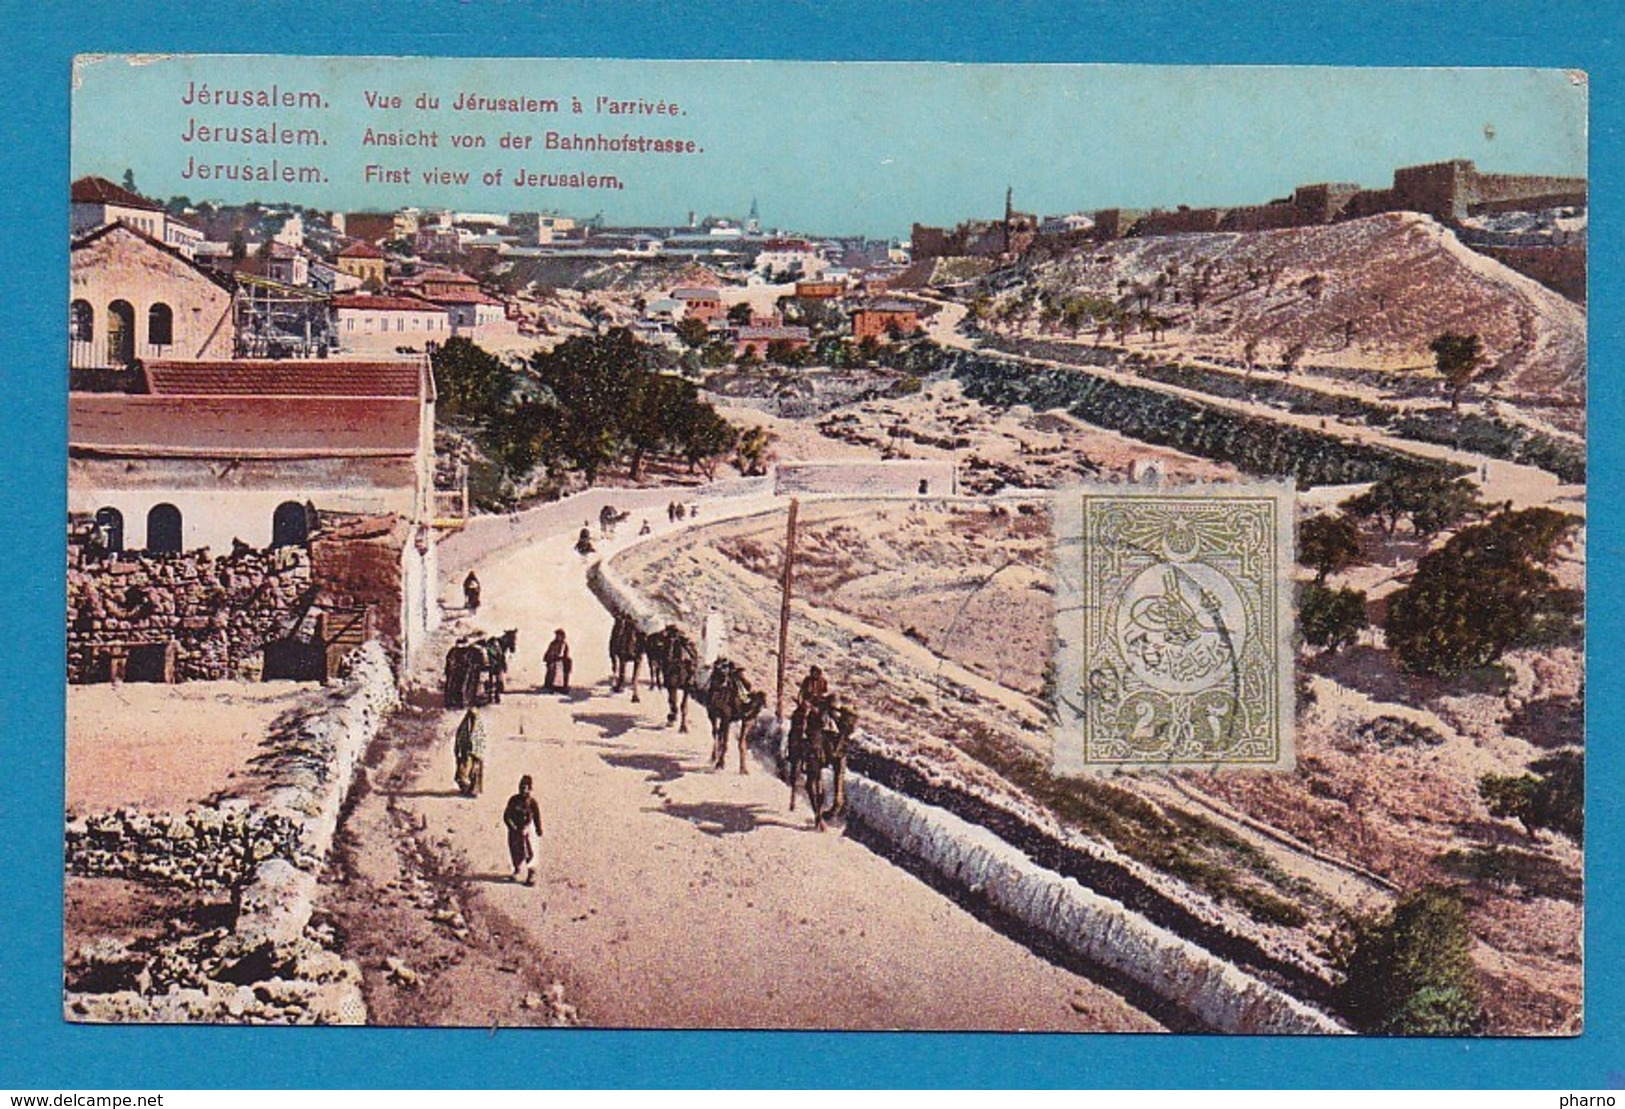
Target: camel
820,734
475,669
607,519
729,700
679,666
465,665
497,648
627,646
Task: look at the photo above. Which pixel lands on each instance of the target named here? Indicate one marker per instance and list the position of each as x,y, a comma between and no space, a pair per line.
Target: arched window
120,333
290,525
160,325
110,526
81,321
164,529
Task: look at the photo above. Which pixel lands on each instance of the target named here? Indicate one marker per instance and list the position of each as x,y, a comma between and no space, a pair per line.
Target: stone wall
358,562
220,612
1561,269
1447,191
269,966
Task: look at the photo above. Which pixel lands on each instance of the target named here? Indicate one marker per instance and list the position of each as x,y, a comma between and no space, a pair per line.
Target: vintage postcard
637,544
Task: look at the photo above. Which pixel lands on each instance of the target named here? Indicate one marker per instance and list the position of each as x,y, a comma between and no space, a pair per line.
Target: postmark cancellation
1174,627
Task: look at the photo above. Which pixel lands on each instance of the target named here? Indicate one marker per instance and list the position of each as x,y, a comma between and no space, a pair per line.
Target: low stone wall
1210,989
1101,930
266,967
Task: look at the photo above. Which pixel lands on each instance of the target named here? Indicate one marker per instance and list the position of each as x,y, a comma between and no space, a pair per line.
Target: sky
828,148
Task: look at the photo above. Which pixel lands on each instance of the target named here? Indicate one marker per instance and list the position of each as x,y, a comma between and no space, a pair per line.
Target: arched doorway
290,525
120,333
164,529
110,529
81,321
160,326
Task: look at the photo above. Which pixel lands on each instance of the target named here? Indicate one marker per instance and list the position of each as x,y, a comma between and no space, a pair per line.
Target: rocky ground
946,656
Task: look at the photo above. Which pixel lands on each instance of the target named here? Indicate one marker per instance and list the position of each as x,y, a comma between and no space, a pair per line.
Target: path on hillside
1524,486
674,896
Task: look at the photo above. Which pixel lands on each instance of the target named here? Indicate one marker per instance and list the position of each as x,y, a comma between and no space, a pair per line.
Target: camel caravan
476,667
821,728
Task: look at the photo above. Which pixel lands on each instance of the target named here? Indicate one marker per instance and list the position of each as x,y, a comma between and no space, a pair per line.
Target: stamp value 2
1173,625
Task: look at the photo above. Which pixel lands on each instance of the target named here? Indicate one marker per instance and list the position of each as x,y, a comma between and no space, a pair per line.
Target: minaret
753,225
1009,213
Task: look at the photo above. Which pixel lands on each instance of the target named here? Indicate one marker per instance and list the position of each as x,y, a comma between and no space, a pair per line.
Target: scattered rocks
1389,732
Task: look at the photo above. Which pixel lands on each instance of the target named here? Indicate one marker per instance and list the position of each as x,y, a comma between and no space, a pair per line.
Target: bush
1332,618
1552,797
1410,972
1481,594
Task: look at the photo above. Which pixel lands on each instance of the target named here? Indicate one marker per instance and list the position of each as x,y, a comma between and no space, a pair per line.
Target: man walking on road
557,658
521,815
469,750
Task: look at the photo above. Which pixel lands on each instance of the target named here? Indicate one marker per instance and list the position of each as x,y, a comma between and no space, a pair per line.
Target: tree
740,314
1457,358
1410,972
693,332
129,180
751,451
1483,592
470,381
239,246
785,352
596,315
1432,500
1332,618
1552,797
1249,354
1327,544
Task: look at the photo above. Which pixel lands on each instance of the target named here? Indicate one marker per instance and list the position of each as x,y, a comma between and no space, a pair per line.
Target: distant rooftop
99,190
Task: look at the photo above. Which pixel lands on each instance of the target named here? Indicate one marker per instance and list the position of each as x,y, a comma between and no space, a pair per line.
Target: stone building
362,260
884,320
134,298
222,456
385,324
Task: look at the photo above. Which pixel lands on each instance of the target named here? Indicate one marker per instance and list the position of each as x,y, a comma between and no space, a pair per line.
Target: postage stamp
1173,625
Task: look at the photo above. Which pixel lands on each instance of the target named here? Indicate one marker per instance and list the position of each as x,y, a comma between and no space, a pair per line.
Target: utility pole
784,607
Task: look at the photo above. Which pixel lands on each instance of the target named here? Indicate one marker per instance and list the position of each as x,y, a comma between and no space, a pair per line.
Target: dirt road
670,895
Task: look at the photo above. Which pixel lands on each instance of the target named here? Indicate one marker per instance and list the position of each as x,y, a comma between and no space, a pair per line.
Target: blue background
38,1050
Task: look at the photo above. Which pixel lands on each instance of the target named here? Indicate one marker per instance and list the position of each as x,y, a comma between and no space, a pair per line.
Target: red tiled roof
461,296
321,377
99,190
241,426
361,250
384,304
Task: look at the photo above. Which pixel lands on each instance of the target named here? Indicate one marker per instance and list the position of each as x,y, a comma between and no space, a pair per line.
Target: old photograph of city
591,544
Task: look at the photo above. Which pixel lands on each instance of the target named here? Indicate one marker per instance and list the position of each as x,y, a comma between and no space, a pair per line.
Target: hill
1369,294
